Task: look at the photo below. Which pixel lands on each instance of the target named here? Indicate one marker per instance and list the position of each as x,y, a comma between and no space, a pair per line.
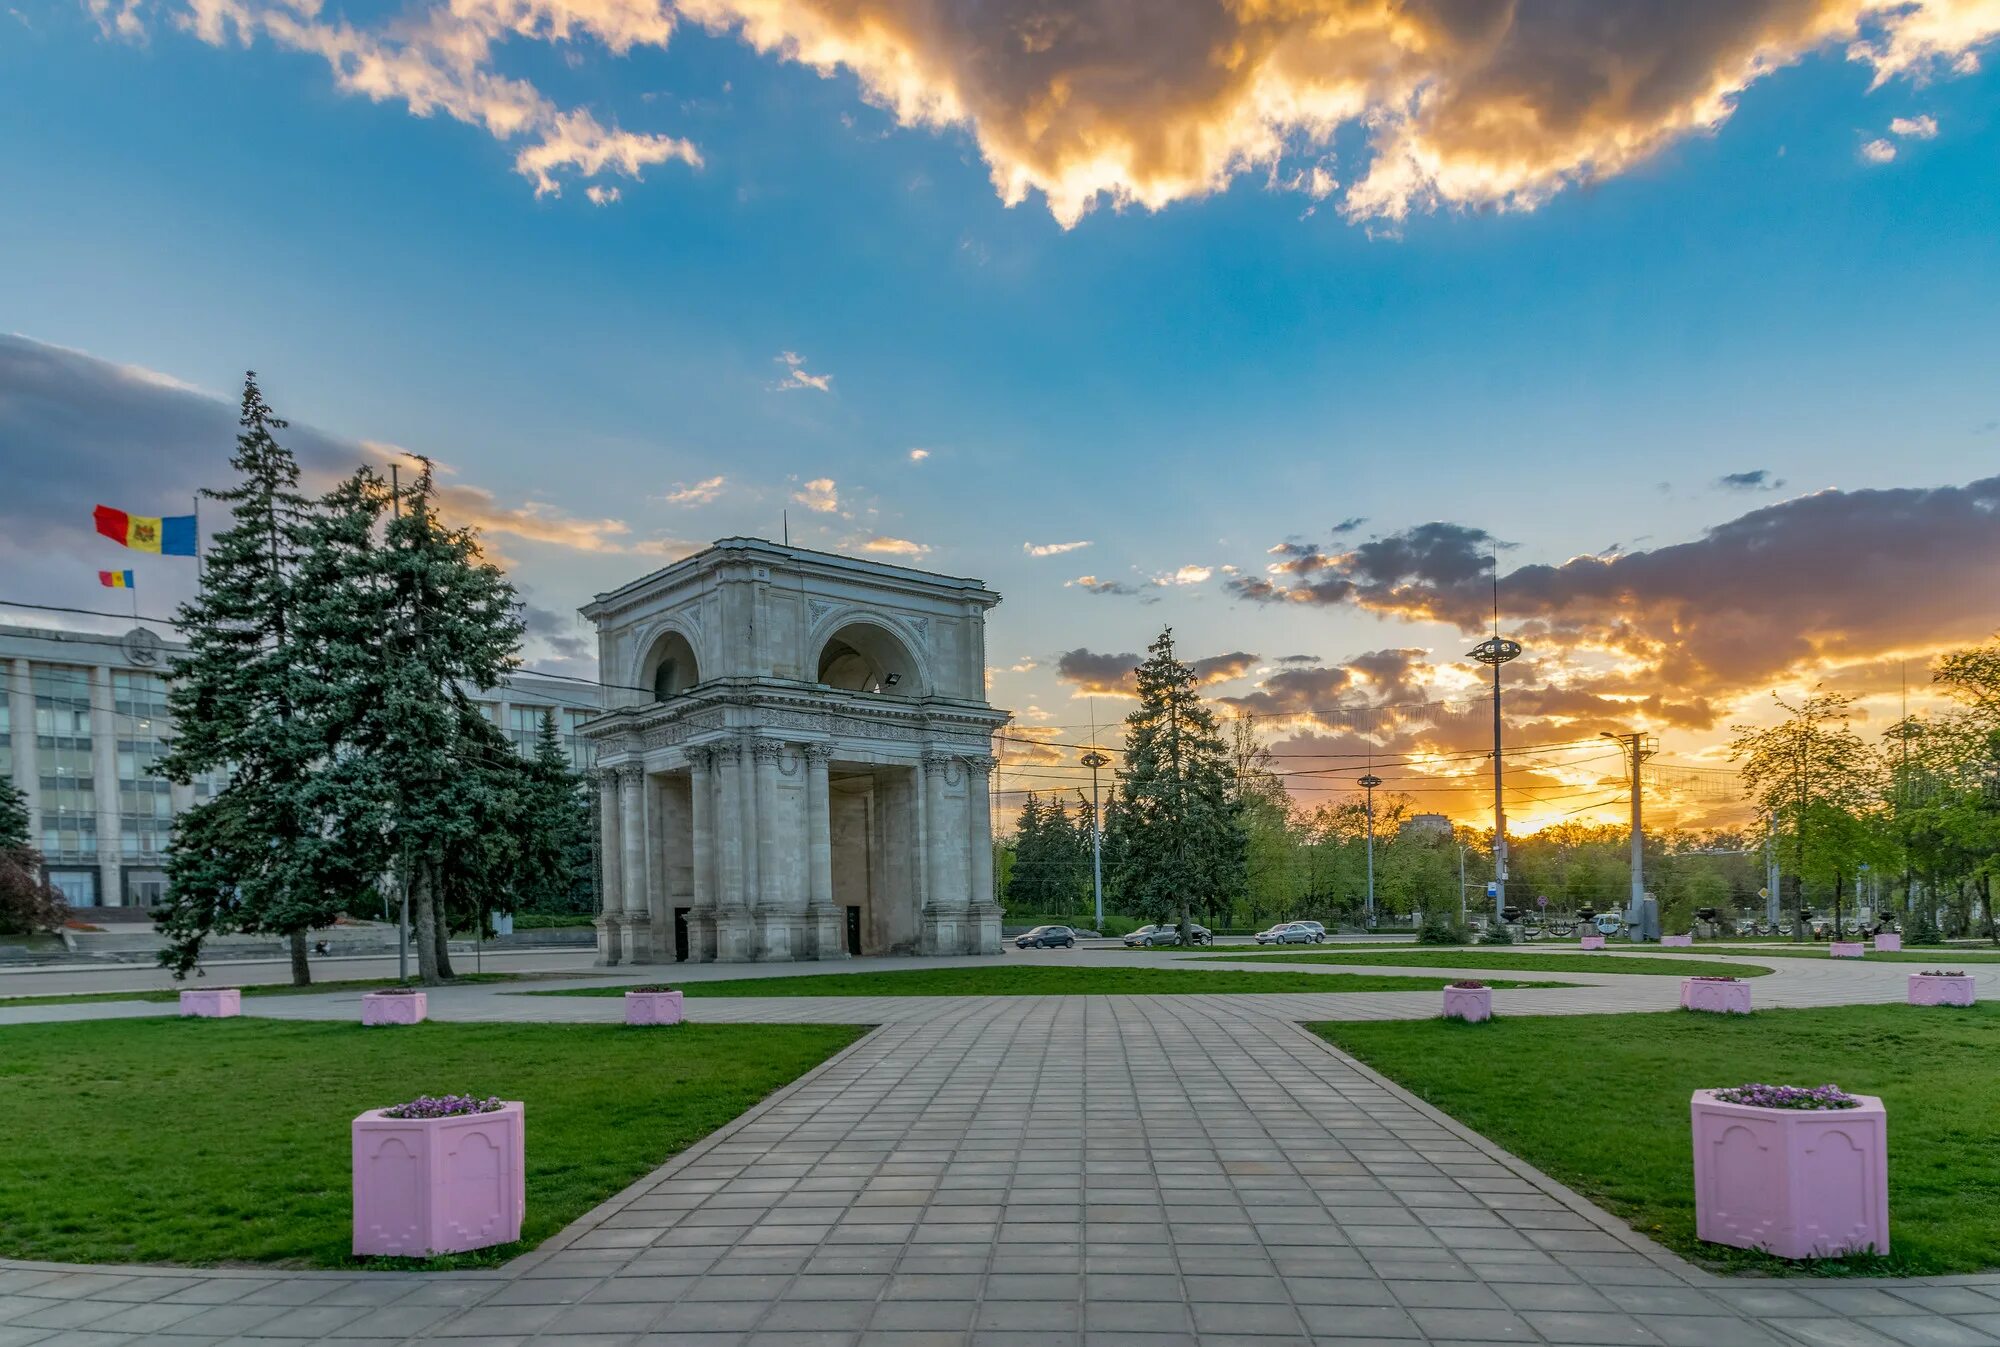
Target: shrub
1497,933
1438,929
1922,928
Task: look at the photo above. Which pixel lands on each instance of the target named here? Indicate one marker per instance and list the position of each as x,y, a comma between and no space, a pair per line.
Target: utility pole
1772,902
1368,784
1495,651
1094,760
1639,747
402,875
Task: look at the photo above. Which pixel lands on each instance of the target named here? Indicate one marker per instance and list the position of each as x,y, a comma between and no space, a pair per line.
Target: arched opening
670,667
864,657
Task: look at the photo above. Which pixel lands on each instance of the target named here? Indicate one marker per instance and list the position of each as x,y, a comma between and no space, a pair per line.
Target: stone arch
670,666
863,652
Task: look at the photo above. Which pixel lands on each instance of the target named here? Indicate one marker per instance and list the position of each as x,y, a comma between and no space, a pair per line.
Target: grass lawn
1600,1102
1449,956
1933,956
226,1141
255,989
1059,981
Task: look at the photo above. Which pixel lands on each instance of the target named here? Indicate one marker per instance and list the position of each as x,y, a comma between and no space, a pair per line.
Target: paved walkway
1101,1171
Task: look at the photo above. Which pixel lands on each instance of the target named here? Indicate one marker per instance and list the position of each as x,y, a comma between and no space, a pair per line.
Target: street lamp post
1368,784
1496,651
1094,760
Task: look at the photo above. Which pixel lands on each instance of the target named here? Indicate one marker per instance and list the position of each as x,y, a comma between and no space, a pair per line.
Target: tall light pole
1639,747
1496,651
1094,760
1368,783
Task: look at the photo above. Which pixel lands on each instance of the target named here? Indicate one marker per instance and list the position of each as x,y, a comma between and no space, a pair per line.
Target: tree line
1912,820
329,649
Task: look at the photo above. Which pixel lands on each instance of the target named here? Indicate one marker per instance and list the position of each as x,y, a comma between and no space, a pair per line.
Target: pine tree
1027,877
402,623
555,841
28,902
256,857
1182,842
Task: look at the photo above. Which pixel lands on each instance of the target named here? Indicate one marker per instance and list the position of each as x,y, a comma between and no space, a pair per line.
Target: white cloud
602,196
919,455
819,495
1051,549
895,547
1914,128
701,493
1878,151
796,375
1186,575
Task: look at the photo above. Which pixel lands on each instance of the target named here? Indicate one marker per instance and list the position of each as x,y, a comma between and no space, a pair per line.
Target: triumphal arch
796,761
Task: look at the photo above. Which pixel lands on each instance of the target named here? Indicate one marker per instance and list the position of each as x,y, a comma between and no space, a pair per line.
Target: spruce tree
1182,842
1026,881
406,619
256,857
555,844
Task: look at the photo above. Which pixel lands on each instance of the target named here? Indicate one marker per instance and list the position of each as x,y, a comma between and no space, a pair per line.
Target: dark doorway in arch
866,657
670,667
680,935
854,931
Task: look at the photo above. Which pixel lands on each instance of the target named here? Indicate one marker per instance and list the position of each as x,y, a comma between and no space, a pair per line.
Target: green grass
1447,956
1062,981
1600,1102
1936,956
226,1141
257,989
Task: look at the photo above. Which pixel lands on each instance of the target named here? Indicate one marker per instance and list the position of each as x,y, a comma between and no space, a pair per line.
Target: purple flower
1788,1096
444,1106
1469,985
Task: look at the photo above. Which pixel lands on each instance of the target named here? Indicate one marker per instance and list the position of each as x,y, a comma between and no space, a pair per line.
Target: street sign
1492,889
1542,901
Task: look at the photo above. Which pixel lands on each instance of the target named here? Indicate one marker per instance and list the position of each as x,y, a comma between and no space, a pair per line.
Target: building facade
84,718
796,761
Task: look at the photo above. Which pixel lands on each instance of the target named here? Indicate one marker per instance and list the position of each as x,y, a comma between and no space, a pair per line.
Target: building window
62,742
145,888
582,752
6,743
78,887
524,727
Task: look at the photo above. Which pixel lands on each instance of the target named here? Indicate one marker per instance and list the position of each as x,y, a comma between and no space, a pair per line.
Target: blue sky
1181,388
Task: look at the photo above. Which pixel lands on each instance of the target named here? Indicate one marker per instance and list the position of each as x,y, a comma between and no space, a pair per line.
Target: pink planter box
438,1185
1726,998
1592,942
1797,1183
394,1007
212,1003
1927,989
1471,1004
652,1007
1677,941
1846,949
1888,942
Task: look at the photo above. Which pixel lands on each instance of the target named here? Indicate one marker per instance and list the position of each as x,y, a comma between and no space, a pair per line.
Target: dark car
1043,937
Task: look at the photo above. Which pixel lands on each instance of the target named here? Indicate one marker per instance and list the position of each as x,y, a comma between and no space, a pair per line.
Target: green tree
1183,842
555,863
264,860
28,902
409,611
1811,774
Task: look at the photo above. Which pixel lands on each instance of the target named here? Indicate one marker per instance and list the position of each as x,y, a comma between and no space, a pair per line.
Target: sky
1279,323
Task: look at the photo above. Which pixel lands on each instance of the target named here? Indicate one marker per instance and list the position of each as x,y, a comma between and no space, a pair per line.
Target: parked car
1168,934
1319,931
1290,933
1044,937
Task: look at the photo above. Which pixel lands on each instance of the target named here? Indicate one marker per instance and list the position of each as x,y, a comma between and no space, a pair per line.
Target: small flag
172,536
115,579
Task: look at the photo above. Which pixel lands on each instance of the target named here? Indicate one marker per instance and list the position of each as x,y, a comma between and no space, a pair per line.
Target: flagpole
197,539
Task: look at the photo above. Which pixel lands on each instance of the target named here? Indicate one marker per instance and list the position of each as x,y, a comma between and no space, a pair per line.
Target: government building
84,717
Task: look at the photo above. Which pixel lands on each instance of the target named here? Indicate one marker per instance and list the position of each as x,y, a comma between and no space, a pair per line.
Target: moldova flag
172,536
115,579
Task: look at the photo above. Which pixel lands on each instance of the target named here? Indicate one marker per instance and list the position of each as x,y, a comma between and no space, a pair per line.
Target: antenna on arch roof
785,518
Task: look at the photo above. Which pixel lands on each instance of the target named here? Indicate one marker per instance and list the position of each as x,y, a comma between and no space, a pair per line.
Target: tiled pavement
1101,1171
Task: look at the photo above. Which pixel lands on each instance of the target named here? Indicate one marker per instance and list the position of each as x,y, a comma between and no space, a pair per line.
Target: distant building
1426,825
85,716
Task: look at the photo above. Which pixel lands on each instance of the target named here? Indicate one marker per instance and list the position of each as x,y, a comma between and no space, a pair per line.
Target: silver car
1289,933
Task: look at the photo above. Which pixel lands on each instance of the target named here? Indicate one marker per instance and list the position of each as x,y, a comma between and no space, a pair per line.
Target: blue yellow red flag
173,535
115,579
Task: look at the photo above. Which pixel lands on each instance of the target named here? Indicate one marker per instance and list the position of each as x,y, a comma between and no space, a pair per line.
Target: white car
1289,933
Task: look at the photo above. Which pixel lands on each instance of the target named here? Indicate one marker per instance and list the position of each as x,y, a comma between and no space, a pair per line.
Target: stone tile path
1094,1171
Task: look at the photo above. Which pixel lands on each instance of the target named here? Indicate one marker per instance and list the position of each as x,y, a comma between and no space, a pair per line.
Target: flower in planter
394,991
1788,1096
1713,977
1940,973
1469,985
651,988
444,1106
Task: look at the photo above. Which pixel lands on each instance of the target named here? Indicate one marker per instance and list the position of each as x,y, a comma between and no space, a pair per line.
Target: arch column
944,897
732,841
825,927
983,927
611,895
637,920
701,842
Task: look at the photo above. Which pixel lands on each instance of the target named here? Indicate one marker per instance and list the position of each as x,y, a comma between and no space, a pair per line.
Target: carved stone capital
766,750
633,774
980,764
938,764
816,754
701,757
